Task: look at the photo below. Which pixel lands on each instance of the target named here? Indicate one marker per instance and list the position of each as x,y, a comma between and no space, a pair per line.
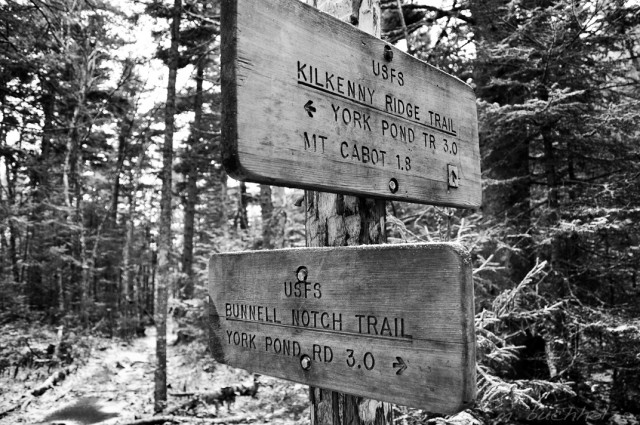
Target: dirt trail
118,378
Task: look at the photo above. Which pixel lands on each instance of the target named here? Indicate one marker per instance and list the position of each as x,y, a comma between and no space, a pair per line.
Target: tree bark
266,212
339,220
216,219
127,282
13,253
125,131
73,167
192,180
40,172
48,111
76,172
164,232
550,170
61,303
243,201
10,175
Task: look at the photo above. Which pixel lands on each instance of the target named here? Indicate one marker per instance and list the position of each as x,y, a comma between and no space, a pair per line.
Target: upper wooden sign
312,102
388,322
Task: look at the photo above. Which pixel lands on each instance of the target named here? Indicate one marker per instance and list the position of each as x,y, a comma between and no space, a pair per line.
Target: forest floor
112,382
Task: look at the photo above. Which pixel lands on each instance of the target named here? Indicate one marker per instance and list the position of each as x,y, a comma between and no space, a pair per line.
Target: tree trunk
48,111
10,170
279,197
109,217
71,178
40,172
241,214
164,232
26,254
266,211
13,253
192,183
69,171
75,173
127,282
85,262
189,230
550,170
338,220
216,219
125,131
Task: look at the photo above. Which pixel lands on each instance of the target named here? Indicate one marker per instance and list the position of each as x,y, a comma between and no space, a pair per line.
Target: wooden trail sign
389,322
340,110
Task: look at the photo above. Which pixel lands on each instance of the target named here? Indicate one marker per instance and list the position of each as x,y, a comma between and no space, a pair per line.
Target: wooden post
280,125
340,220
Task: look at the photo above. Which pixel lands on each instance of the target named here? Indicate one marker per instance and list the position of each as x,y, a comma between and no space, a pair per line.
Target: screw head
302,273
393,185
388,53
305,362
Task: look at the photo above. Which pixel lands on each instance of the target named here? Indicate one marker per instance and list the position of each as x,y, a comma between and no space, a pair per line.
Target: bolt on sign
312,102
388,322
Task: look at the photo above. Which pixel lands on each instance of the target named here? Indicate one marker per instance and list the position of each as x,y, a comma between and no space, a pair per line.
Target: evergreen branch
442,33
46,18
403,23
395,35
213,20
454,12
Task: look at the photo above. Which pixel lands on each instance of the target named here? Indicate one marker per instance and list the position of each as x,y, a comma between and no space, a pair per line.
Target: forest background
91,127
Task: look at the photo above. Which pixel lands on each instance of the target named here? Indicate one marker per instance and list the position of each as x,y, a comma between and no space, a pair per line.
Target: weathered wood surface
329,112
340,220
390,322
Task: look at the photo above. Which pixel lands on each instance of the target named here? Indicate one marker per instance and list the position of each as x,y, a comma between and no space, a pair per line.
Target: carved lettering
400,107
387,73
353,118
316,319
314,142
322,353
301,71
431,139
284,347
400,132
327,81
302,289
341,86
372,325
251,313
363,154
242,339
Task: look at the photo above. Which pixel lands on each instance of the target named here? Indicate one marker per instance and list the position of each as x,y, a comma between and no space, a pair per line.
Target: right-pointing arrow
401,364
453,178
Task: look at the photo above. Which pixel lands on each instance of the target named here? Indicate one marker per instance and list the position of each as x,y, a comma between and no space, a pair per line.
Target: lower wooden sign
388,322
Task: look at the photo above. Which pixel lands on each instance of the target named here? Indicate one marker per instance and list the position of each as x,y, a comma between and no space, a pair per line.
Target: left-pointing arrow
401,364
309,108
